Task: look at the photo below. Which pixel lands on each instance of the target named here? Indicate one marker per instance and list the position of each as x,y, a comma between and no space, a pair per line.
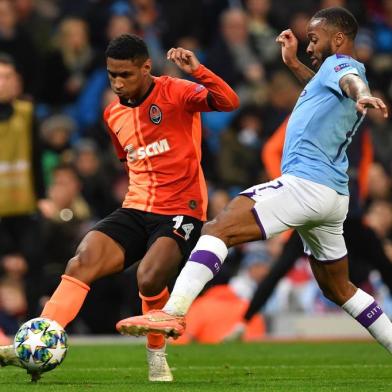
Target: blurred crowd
58,49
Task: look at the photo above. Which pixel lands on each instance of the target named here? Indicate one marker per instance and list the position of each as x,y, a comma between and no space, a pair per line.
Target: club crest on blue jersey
155,114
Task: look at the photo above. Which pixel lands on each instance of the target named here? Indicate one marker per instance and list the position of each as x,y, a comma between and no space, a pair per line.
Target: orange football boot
156,321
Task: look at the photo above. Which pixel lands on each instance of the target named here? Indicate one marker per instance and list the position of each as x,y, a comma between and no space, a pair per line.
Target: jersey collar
134,104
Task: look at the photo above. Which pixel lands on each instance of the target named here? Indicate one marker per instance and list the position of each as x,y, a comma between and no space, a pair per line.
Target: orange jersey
161,141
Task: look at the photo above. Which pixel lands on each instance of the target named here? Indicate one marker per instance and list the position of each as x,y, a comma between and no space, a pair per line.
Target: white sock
203,264
369,314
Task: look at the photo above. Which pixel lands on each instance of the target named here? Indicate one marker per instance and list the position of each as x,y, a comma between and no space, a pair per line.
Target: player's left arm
220,95
356,89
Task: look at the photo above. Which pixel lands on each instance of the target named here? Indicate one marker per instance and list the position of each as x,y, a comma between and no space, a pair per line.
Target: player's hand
289,44
184,59
373,103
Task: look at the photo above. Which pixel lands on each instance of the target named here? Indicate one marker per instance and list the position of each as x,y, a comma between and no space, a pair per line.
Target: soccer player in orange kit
155,127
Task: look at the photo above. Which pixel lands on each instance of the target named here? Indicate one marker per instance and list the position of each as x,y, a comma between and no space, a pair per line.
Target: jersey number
187,227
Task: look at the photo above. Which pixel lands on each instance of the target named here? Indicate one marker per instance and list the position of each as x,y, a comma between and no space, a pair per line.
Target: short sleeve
334,68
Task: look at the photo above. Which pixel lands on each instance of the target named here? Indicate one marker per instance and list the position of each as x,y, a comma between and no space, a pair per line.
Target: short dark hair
127,47
341,18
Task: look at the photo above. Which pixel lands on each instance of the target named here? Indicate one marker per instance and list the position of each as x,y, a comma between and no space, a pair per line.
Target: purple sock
369,315
207,258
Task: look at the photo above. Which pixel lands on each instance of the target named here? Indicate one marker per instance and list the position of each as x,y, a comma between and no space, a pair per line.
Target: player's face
128,79
320,42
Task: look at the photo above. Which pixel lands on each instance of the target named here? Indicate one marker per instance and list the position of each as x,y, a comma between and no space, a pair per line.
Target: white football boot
158,369
8,356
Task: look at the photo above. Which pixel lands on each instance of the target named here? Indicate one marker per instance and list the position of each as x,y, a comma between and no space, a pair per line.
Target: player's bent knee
82,267
150,281
73,267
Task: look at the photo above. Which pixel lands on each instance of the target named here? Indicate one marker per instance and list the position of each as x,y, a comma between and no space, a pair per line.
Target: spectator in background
381,132
65,202
13,301
261,33
238,160
218,199
97,130
67,220
382,27
298,25
37,26
379,218
283,91
94,180
233,56
21,180
187,18
68,65
148,18
380,183
56,132
17,43
119,24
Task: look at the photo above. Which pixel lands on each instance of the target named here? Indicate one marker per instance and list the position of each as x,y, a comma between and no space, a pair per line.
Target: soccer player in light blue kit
311,196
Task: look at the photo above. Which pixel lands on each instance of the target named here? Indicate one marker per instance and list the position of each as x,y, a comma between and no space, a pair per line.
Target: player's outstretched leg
334,282
236,224
62,307
201,267
369,314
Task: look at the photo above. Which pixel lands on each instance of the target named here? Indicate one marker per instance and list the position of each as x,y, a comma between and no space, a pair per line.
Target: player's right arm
218,95
356,89
289,44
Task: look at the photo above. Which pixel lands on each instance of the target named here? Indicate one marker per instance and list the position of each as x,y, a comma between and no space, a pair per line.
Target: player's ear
339,39
146,67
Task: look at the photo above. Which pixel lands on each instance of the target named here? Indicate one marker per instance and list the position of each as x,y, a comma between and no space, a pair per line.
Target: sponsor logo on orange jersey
154,148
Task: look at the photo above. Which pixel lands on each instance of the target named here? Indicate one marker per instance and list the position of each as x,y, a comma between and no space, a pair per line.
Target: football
40,344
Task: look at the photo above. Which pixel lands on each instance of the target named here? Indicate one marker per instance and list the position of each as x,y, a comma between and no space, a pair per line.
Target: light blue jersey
322,125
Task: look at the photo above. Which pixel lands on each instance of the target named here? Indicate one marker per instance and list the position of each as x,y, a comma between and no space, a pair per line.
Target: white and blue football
40,344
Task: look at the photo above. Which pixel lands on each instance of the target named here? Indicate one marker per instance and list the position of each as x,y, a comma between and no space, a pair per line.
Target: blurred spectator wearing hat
56,133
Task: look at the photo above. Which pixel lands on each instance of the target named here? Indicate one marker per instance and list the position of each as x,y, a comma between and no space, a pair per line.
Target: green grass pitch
301,367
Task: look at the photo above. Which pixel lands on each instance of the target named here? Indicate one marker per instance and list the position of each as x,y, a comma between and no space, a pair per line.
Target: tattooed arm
289,44
355,88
